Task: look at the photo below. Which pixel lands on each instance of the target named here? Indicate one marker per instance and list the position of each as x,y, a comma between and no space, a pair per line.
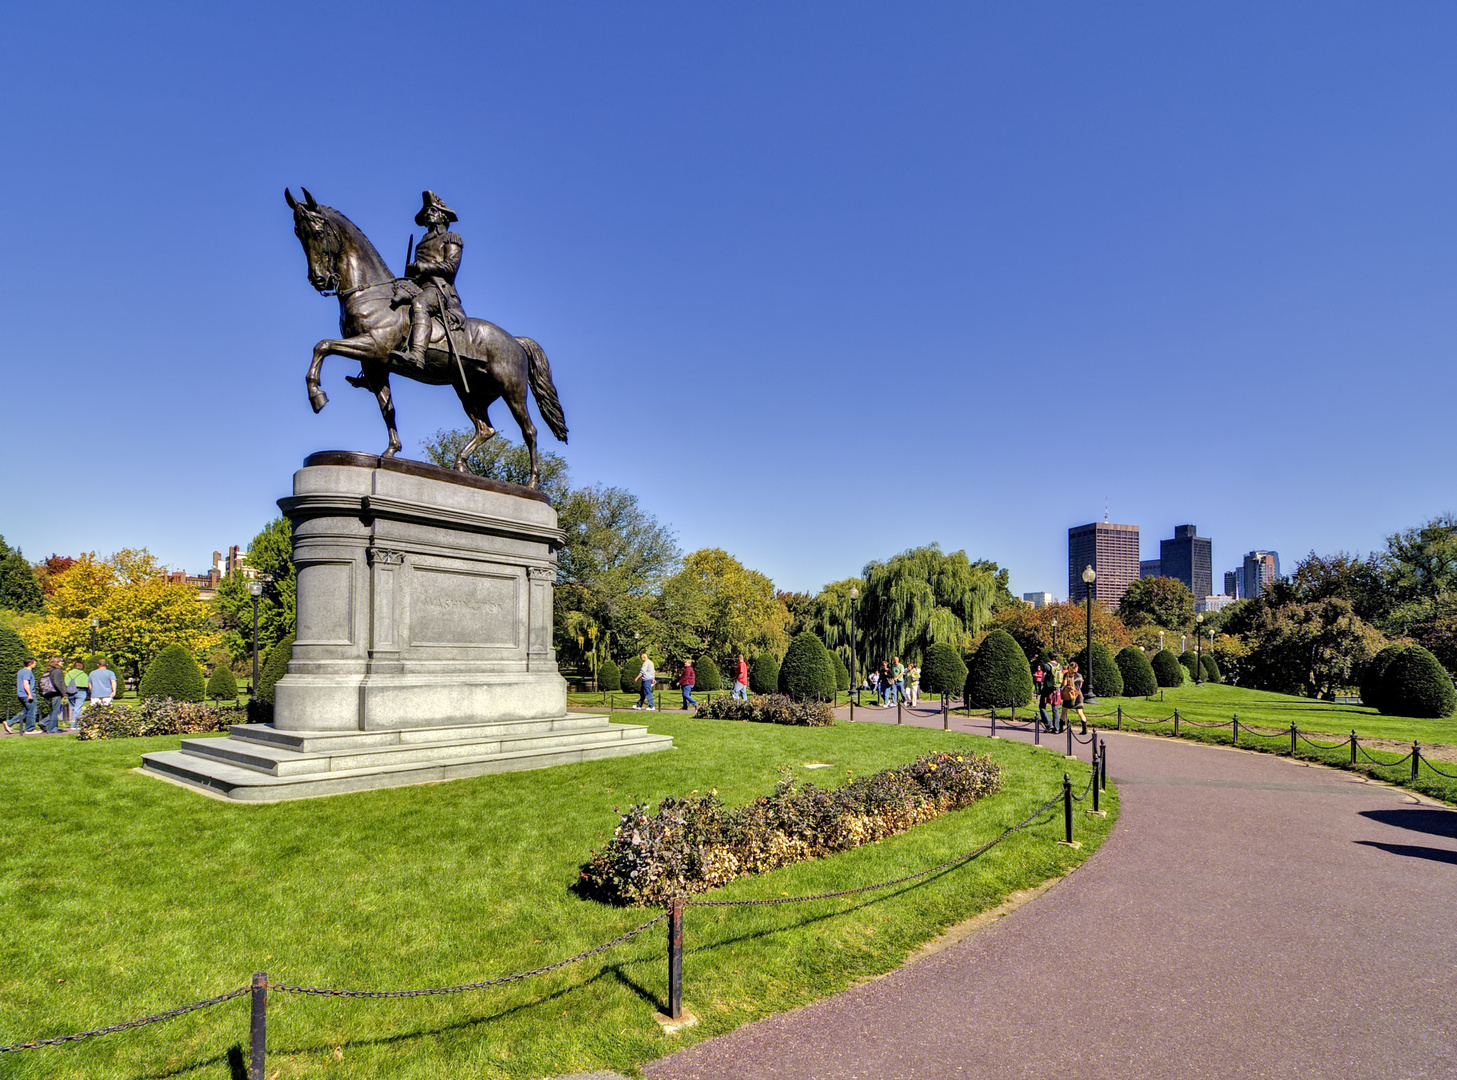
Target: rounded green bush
608,679
998,675
1416,684
221,685
1137,672
173,673
94,660
708,674
1106,679
274,668
806,673
1211,670
764,674
1167,670
1190,662
1373,679
943,671
842,673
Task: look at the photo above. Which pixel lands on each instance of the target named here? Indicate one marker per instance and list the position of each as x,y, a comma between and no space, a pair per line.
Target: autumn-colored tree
1032,628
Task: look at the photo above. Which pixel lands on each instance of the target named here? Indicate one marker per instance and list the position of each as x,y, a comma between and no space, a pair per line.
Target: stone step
228,780
284,761
309,741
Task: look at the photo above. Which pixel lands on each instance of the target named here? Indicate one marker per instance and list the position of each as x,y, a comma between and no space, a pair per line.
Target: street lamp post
95,622
854,682
1199,650
255,590
1054,635
1089,577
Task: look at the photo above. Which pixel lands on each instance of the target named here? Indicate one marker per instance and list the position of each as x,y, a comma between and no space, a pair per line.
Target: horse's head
320,239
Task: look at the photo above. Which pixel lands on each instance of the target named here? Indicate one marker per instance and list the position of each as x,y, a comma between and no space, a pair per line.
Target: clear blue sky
819,282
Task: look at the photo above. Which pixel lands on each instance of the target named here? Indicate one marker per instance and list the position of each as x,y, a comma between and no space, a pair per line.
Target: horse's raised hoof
390,452
356,380
318,399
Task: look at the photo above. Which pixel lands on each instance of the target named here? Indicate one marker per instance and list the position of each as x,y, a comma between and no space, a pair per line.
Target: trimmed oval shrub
1190,662
1416,684
608,679
1211,670
1106,680
944,672
764,674
1137,672
1373,679
221,684
708,674
998,675
274,668
173,673
842,673
806,673
1167,671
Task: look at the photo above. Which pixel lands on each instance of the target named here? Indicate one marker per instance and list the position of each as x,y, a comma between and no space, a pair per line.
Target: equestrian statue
414,326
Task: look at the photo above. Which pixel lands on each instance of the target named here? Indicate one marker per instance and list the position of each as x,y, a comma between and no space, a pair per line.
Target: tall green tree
270,554
716,605
1158,601
1422,562
19,590
923,596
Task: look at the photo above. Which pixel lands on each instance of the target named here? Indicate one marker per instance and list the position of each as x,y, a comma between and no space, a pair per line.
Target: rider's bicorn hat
433,201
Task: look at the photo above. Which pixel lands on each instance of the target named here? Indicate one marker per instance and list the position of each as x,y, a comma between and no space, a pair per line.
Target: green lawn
123,895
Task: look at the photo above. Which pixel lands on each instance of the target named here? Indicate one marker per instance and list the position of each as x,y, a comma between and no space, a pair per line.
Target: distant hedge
608,679
1416,684
222,685
1137,672
944,672
174,674
708,675
1167,670
764,674
998,675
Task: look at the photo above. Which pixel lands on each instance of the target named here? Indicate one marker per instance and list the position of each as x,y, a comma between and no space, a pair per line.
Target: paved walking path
1248,917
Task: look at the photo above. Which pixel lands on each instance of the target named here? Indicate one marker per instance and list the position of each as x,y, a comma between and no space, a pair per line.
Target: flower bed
155,716
770,709
694,844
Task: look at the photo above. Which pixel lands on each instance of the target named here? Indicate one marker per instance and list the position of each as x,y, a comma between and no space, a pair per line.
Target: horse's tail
538,373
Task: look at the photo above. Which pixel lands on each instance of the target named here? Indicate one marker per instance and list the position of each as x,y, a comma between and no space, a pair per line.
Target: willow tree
922,596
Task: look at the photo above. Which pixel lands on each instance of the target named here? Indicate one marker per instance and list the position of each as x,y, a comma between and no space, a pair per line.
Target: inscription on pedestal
452,607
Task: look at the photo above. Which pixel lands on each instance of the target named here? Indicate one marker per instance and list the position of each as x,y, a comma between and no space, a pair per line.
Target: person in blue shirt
103,684
25,691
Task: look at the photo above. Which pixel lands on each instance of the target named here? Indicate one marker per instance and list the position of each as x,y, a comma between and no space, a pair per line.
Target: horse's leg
516,402
483,432
361,348
377,378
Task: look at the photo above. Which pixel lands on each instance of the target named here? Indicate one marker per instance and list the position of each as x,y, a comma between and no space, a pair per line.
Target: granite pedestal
424,641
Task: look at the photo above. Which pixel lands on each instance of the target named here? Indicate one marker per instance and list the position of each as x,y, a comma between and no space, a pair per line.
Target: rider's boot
419,338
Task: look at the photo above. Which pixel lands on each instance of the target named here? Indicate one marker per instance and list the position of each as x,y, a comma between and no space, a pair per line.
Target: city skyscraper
1149,568
1260,569
1189,558
1112,551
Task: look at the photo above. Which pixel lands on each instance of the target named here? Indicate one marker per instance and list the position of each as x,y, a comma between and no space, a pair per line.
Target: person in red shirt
741,679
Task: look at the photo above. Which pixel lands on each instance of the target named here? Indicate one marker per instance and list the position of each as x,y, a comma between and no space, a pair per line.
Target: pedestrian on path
913,684
1051,694
898,681
102,684
26,692
741,679
1072,693
646,675
53,689
76,688
686,682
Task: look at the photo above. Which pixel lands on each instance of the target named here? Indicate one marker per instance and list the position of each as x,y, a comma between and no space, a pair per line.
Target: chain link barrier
1386,764
1323,746
1428,763
155,1018
318,991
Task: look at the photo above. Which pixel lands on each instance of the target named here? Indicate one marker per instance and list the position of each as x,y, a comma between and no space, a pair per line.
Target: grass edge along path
453,883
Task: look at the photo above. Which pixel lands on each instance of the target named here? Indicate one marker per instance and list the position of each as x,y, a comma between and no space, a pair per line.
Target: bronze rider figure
429,282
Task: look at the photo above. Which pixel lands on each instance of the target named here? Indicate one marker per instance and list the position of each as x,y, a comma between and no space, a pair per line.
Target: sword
410,253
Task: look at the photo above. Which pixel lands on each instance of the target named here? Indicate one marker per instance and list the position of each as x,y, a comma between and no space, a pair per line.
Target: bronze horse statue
482,362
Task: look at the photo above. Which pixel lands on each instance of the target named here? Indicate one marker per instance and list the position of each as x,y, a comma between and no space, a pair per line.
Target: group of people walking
65,689
1058,689
647,676
893,682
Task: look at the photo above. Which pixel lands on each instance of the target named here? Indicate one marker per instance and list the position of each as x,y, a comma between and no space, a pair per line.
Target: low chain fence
260,987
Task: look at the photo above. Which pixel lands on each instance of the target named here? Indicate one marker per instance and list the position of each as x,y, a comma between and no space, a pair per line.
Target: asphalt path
1248,917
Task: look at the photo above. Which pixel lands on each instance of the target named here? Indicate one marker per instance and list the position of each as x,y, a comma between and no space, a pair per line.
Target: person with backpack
1072,693
1051,694
53,689
76,687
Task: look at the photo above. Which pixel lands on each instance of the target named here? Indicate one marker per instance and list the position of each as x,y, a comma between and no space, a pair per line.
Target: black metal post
1067,807
675,960
945,715
854,682
258,1025
994,720
1292,738
1088,695
1037,730
1416,757
1103,762
1176,723
1120,718
1198,657
1353,746
1234,741
1069,729
1095,775
254,690
93,641
852,708
897,703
